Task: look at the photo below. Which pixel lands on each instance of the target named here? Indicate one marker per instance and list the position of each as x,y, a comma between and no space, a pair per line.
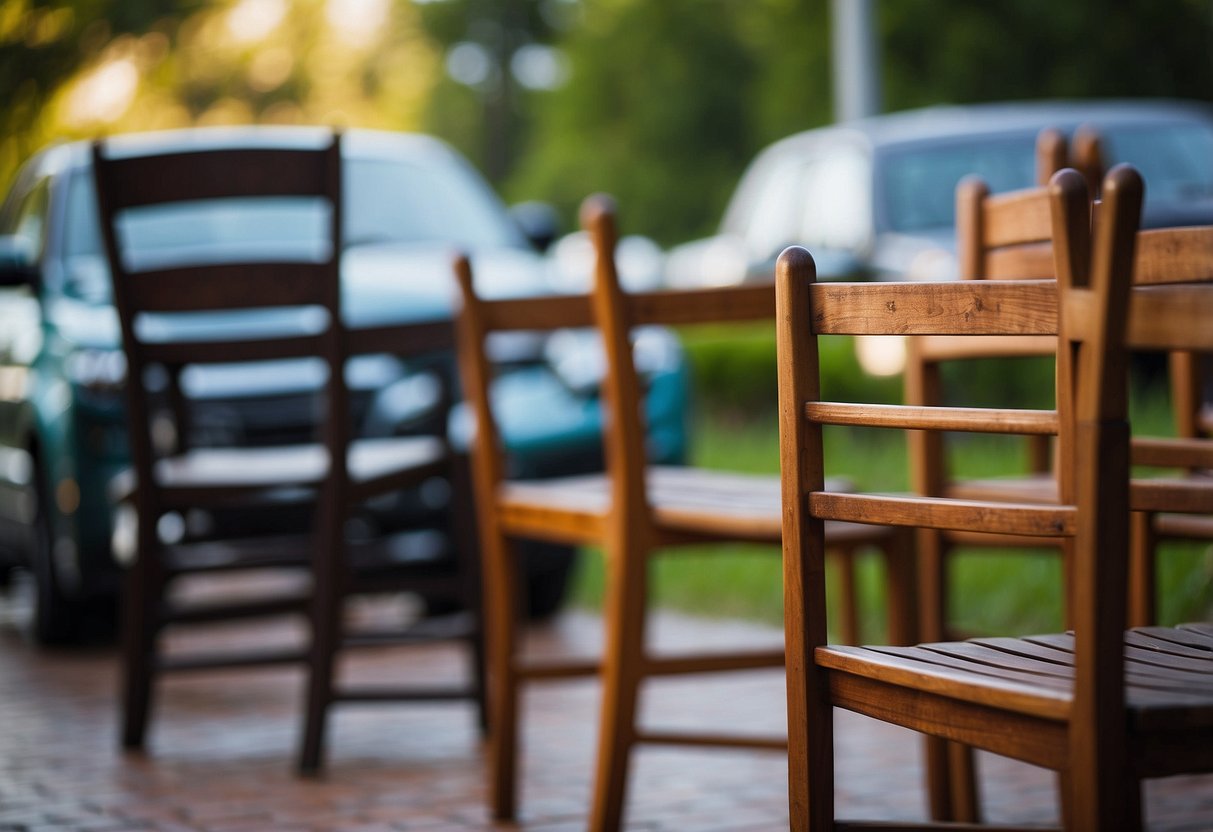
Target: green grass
993,591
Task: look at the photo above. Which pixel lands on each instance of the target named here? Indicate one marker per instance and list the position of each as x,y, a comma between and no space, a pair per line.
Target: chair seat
686,502
242,470
1168,671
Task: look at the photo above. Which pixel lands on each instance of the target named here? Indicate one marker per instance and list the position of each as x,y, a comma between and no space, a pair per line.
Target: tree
42,44
654,111
963,51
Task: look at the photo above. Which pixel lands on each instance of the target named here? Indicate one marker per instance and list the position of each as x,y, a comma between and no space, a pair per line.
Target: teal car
410,200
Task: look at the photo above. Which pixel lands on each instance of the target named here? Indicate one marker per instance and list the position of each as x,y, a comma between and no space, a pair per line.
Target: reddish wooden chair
1103,707
631,512
180,309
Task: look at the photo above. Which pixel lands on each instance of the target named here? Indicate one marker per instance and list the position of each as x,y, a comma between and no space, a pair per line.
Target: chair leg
326,638
1088,804
843,560
139,630
962,769
462,520
932,586
622,671
1142,581
501,601
901,588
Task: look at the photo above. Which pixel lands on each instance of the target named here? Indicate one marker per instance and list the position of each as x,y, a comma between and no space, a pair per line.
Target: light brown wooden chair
631,512
999,237
1104,707
183,312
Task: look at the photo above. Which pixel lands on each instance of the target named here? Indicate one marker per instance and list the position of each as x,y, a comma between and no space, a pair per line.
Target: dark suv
409,201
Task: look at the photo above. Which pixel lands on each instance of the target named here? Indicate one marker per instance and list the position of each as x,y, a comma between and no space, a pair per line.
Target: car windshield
918,184
387,201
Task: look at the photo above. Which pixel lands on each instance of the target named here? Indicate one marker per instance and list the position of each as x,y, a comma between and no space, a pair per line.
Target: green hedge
734,372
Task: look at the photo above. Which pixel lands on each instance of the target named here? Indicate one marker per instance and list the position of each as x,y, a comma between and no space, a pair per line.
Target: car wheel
54,617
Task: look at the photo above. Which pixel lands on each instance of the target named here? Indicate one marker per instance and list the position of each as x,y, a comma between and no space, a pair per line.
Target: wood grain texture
940,513
972,419
630,511
1026,307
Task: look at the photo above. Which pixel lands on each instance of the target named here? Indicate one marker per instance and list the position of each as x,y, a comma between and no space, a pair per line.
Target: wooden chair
179,315
1102,706
631,511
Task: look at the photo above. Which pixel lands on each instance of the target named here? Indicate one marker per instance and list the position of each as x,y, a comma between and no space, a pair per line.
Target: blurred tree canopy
43,44
668,101
660,103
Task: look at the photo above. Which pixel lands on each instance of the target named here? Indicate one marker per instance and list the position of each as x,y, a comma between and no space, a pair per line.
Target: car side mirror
538,221
16,261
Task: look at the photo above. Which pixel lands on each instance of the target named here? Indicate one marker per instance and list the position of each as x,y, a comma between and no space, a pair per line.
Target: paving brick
222,747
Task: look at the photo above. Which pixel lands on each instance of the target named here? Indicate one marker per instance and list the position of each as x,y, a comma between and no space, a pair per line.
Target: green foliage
734,370
959,51
654,112
42,43
668,101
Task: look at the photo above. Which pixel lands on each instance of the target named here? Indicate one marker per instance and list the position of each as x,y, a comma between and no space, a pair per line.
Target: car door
25,222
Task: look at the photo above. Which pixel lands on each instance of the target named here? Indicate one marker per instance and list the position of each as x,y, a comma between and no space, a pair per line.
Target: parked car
875,198
409,201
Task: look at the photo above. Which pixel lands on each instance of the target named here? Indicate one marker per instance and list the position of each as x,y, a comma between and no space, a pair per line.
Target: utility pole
855,59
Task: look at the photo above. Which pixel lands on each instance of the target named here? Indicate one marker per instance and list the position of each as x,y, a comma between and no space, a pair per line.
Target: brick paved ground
221,749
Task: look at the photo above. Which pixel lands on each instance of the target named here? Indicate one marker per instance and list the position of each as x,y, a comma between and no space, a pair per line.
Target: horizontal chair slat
223,352
1017,217
952,347
677,307
1187,252
1033,261
937,513
1171,317
224,286
187,177
695,306
402,339
963,307
541,313
1185,496
975,419
1173,453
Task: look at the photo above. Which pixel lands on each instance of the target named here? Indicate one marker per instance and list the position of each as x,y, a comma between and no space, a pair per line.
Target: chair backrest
222,299
615,313
1088,310
1081,314
187,305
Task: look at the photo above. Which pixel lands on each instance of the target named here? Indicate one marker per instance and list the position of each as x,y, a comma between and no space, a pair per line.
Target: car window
821,201
918,184
775,204
402,202
1176,161
386,202
836,197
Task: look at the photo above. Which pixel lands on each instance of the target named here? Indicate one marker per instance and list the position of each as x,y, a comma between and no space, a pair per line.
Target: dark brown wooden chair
1102,706
169,314
631,512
